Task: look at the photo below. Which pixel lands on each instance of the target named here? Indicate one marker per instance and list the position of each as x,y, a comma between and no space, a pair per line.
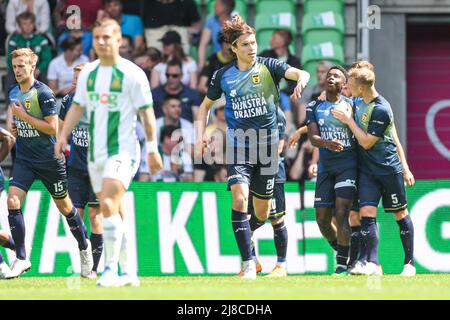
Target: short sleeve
80,93
379,121
47,102
310,112
141,93
214,88
209,24
276,67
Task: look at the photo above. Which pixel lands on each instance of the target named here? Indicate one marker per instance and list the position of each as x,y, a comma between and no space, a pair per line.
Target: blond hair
362,64
106,22
363,76
27,52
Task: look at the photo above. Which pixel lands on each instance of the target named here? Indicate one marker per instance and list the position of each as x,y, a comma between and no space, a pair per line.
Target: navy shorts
52,174
390,188
335,184
80,189
261,186
278,206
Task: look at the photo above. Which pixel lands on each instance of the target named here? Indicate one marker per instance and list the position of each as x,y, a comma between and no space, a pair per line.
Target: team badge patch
116,85
364,117
255,78
27,104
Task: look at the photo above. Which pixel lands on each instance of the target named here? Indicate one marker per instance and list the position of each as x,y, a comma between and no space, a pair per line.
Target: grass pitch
434,286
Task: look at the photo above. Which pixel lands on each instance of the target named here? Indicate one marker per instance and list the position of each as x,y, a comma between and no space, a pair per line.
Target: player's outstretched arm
8,141
148,121
72,118
302,78
296,136
200,126
407,174
366,140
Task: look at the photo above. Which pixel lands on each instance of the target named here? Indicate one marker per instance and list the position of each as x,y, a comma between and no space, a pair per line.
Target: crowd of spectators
178,49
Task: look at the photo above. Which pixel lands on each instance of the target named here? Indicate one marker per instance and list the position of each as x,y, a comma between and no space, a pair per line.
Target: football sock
97,248
280,237
333,244
369,237
241,229
354,244
17,227
112,237
255,223
124,257
407,236
342,256
10,244
77,228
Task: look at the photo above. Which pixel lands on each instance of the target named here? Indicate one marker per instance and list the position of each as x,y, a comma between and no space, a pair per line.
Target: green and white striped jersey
112,96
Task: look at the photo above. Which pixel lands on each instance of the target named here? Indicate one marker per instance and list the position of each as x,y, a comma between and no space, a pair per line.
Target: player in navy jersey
7,140
337,168
34,109
277,209
381,172
250,85
79,185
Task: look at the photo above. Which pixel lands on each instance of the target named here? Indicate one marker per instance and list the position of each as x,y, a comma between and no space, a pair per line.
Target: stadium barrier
182,229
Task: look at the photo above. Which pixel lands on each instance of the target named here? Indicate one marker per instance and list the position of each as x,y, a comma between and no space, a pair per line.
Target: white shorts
120,167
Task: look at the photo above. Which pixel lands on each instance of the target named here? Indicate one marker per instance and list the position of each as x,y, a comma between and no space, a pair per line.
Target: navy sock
241,229
280,237
407,236
17,227
76,227
369,237
354,244
342,256
97,248
333,244
255,223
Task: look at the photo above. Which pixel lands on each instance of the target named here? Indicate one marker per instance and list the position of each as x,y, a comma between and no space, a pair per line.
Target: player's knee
240,203
64,205
107,206
401,214
354,218
274,222
13,202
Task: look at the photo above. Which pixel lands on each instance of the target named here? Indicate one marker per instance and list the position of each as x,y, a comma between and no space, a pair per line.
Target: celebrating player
112,90
79,185
337,169
381,174
34,109
250,85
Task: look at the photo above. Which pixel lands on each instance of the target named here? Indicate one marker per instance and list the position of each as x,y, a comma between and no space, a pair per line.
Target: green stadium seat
316,6
266,24
240,7
272,6
314,53
322,27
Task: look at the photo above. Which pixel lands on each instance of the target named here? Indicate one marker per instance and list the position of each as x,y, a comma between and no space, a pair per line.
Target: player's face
335,81
107,41
23,69
355,89
246,48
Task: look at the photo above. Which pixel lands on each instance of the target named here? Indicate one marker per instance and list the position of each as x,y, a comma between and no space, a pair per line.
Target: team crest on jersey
321,122
116,85
255,78
233,93
364,117
90,82
27,104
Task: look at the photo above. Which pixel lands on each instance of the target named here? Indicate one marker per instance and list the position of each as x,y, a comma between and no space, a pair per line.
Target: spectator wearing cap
190,99
131,25
166,15
214,62
60,70
172,50
39,8
212,28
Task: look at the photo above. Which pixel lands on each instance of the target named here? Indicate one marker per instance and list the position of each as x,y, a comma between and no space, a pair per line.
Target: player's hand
18,110
312,170
60,146
154,162
200,146
343,115
334,145
297,94
13,129
292,143
408,177
323,96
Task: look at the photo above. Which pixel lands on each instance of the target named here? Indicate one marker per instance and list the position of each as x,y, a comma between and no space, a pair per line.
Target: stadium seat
316,6
272,6
241,8
314,53
266,24
322,27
